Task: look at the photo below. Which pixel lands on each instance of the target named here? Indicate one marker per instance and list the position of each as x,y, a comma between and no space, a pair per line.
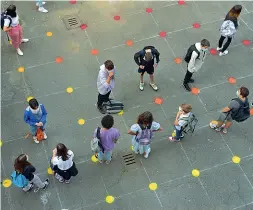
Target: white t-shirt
182,122
14,23
64,165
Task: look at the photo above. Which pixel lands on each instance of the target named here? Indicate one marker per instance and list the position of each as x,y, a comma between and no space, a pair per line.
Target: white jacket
195,64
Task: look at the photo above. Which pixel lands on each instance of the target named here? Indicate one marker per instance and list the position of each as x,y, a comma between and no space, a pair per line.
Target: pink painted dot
213,51
116,17
83,26
149,10
246,42
72,1
196,25
180,2
162,34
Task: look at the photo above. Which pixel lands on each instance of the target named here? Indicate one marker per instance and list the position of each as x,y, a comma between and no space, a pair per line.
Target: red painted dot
149,10
178,60
83,26
213,51
195,91
72,1
94,51
180,2
58,59
116,17
158,100
129,43
162,34
246,42
251,111
232,80
196,25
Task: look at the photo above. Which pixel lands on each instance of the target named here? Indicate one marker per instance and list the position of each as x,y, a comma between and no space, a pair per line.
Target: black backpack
3,17
189,53
243,113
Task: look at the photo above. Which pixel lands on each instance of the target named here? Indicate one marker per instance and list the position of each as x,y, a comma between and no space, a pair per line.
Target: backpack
190,124
243,113
144,138
40,134
96,145
3,17
190,50
19,179
227,28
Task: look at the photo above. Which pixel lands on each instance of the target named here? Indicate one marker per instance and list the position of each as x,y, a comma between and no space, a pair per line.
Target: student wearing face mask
36,116
238,110
105,84
25,168
194,58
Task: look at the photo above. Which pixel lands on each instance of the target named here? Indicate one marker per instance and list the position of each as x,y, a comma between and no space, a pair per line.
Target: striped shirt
102,86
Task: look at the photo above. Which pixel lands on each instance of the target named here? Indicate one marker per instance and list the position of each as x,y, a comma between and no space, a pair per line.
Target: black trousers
187,77
103,98
226,45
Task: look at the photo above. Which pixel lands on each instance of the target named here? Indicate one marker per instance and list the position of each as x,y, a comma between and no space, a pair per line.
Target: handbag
73,170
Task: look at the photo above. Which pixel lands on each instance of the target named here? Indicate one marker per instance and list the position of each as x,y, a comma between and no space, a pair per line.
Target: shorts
225,117
150,71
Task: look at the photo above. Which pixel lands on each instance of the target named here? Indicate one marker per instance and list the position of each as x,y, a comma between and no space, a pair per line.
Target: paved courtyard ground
57,58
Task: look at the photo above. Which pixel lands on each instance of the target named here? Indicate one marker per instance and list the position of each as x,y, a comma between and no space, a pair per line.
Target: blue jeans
107,155
33,129
178,134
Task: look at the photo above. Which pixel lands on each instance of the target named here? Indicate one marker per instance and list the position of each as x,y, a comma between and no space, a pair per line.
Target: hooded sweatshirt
196,63
102,86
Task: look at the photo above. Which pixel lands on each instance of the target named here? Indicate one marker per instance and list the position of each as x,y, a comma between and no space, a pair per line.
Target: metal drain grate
129,159
72,22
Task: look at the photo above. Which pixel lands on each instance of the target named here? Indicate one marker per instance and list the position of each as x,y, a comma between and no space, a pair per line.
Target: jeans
103,98
187,77
33,129
178,134
107,155
226,45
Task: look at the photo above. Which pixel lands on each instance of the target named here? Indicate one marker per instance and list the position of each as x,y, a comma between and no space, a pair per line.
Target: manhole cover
129,159
72,22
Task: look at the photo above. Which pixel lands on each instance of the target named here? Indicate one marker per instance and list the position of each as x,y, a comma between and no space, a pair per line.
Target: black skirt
67,174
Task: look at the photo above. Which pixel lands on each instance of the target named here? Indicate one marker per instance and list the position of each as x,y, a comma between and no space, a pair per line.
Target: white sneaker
218,48
153,86
42,9
147,153
35,140
25,40
141,86
43,3
19,52
223,53
45,135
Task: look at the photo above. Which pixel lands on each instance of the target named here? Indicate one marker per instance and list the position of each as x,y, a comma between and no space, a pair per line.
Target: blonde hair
186,107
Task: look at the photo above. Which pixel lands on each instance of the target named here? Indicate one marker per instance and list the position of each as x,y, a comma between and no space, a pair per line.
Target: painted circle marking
1,143
94,159
152,186
116,17
196,25
246,42
50,171
213,51
236,159
7,183
162,34
29,98
58,59
21,69
109,199
251,111
81,121
129,43
69,90
178,60
158,100
195,91
149,10
94,51
195,173
232,80
49,33
72,1
121,113
180,2
83,26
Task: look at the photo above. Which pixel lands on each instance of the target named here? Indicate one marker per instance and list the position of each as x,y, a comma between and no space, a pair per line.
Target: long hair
145,119
20,163
11,11
62,151
235,11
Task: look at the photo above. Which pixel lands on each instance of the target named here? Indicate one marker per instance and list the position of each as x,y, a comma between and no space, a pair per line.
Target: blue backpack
19,179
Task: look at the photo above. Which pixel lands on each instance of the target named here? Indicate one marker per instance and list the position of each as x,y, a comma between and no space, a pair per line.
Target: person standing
228,29
40,4
13,28
36,116
105,84
195,57
145,60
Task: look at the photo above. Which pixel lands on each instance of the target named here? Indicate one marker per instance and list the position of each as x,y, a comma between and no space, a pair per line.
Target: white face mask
36,111
204,49
237,93
27,157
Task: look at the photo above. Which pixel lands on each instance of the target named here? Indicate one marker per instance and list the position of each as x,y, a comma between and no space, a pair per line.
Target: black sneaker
102,110
191,80
46,184
187,87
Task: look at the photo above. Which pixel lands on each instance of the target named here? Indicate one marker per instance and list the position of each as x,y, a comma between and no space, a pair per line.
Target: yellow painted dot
236,159
109,199
21,69
195,173
173,134
10,42
121,113
81,121
152,186
1,143
94,159
49,33
29,98
69,90
7,183
50,171
132,148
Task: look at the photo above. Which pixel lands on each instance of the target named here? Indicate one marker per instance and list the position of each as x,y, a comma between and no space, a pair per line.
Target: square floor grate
129,159
71,22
